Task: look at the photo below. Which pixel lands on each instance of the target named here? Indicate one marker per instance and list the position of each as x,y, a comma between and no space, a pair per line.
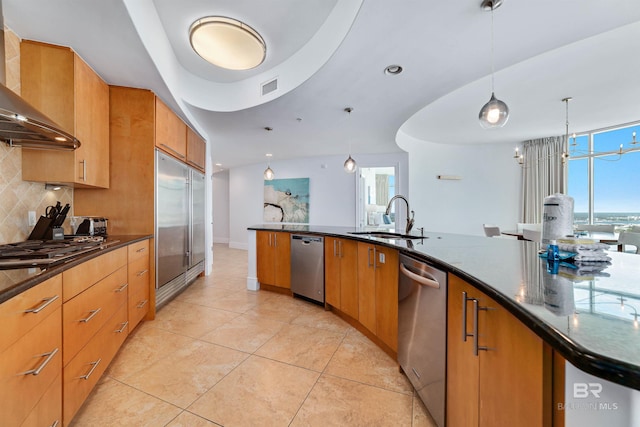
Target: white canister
557,218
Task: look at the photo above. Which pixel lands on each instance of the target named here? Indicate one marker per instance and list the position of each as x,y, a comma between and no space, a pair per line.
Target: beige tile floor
219,355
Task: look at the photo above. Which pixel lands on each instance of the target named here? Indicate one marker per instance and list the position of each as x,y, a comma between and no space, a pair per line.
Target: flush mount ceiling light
349,164
227,43
494,113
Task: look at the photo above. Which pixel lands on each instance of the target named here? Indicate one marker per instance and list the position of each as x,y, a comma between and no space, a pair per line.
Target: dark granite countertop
14,281
590,317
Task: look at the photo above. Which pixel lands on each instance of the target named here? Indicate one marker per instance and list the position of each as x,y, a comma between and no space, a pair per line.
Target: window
603,172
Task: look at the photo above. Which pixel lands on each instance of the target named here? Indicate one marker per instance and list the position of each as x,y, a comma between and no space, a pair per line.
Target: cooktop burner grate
35,252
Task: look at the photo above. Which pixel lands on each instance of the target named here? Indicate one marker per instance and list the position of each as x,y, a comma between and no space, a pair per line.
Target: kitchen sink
386,235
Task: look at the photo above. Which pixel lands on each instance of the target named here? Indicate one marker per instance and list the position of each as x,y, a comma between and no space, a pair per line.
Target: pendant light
268,172
494,113
565,154
350,164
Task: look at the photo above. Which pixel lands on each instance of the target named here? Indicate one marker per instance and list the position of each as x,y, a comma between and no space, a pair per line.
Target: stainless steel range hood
21,123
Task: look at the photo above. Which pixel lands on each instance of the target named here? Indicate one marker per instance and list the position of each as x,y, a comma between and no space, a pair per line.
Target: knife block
42,230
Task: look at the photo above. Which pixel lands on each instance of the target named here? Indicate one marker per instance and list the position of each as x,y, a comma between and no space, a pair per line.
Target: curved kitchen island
587,316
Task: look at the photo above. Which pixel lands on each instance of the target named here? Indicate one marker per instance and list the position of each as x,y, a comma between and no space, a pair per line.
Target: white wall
332,191
489,191
220,188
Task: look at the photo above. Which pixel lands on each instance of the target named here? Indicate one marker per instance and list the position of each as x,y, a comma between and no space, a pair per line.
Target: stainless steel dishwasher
422,332
307,266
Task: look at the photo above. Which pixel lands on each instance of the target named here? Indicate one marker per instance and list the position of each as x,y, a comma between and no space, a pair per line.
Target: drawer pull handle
142,303
94,365
121,330
44,363
173,151
45,303
141,250
140,273
122,288
55,423
91,316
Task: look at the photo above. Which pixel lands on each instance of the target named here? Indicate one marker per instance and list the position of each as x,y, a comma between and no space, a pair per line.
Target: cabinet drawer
28,368
138,274
86,274
138,250
23,312
48,411
85,314
138,306
84,371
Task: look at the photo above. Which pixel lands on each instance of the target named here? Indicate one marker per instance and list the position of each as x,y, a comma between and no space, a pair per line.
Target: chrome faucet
409,218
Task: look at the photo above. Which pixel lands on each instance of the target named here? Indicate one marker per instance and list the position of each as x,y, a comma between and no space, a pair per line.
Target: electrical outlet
32,218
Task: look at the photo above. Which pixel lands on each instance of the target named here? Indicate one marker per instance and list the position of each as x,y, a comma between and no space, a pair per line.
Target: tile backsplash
18,197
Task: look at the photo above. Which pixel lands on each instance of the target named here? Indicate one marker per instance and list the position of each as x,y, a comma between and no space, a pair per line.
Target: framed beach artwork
286,200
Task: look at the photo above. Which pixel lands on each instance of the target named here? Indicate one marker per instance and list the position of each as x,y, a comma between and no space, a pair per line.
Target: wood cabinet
378,291
84,370
94,323
502,373
170,131
31,356
274,258
85,314
138,272
59,336
341,275
56,81
196,150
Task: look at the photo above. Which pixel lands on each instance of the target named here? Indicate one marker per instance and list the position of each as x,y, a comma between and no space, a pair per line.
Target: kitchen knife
62,215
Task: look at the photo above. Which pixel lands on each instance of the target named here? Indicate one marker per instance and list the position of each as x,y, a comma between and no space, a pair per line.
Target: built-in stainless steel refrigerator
180,226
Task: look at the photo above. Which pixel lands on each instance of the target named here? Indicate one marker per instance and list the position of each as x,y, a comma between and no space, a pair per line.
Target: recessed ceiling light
218,164
227,43
393,70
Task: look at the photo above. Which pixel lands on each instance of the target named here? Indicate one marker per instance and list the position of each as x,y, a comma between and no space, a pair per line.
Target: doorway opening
376,186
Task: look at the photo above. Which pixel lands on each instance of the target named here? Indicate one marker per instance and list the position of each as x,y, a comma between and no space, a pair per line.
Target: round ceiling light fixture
227,43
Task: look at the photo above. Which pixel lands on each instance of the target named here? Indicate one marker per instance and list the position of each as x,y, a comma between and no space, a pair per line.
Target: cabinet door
516,369
171,132
349,277
462,366
265,257
367,286
58,83
28,368
386,277
92,126
282,245
196,150
332,271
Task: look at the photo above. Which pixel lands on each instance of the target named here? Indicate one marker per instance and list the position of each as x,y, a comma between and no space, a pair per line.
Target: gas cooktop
48,252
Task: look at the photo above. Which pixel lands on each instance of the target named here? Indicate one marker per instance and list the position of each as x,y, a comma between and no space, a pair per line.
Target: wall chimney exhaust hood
21,123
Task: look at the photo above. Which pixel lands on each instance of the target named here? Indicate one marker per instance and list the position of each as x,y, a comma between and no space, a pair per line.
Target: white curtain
543,174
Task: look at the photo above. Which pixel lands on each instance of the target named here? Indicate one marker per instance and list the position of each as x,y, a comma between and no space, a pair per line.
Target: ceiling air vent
269,86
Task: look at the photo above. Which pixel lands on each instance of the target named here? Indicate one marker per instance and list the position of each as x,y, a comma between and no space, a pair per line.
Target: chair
491,230
605,228
531,234
629,238
530,225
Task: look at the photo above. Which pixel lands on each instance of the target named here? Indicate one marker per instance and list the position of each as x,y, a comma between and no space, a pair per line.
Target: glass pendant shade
350,165
494,113
268,173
